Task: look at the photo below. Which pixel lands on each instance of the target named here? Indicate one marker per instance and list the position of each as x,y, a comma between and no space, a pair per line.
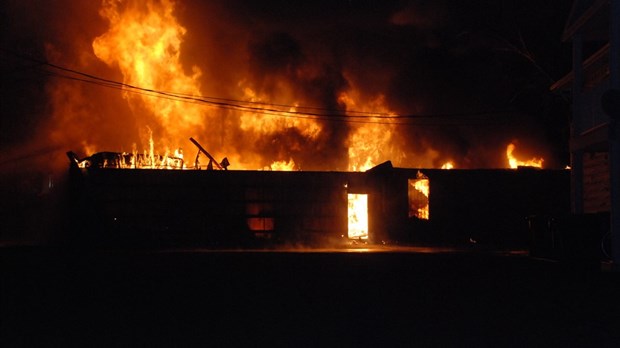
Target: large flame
370,143
143,42
264,126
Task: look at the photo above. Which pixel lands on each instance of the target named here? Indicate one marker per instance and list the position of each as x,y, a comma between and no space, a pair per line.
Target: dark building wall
483,206
213,208
387,207
255,208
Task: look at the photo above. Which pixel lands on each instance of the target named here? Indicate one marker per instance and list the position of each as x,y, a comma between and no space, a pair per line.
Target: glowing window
358,216
260,224
419,189
259,210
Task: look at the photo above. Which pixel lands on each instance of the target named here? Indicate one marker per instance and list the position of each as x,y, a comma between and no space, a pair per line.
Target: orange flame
370,143
447,165
422,185
284,165
143,42
419,192
514,163
358,216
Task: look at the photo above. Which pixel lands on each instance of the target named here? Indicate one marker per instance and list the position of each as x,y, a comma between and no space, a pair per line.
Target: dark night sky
429,58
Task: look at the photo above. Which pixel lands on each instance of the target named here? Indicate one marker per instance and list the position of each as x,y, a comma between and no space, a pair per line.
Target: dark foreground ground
403,297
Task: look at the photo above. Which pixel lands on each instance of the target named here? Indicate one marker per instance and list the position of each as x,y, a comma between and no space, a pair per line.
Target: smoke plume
415,82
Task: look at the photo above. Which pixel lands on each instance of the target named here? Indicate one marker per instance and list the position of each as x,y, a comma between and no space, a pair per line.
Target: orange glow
284,165
514,163
260,224
419,193
143,41
134,160
274,122
370,143
422,186
447,165
358,216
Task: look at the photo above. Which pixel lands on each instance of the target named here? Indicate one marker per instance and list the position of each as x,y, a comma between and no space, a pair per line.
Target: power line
332,115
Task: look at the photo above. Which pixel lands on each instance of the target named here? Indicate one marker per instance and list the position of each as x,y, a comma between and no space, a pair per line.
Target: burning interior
357,216
419,197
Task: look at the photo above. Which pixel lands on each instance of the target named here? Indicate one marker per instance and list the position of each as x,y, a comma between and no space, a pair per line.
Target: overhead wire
271,109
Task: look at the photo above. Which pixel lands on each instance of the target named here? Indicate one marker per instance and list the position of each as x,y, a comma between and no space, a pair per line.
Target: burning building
232,208
271,93
144,75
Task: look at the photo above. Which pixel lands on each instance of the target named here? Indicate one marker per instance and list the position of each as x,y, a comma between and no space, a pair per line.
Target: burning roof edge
117,160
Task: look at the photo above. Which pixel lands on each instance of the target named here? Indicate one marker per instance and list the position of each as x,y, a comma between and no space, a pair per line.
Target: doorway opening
357,216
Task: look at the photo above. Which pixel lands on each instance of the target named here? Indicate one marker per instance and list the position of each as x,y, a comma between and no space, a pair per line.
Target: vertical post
614,142
614,45
614,185
577,181
575,129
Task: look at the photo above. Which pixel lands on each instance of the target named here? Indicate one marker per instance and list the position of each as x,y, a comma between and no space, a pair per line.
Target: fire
422,186
447,165
358,216
514,163
284,165
274,121
143,41
149,159
369,143
419,193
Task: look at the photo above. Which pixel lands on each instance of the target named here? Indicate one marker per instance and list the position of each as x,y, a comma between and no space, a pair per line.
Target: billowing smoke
278,59
313,85
457,82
